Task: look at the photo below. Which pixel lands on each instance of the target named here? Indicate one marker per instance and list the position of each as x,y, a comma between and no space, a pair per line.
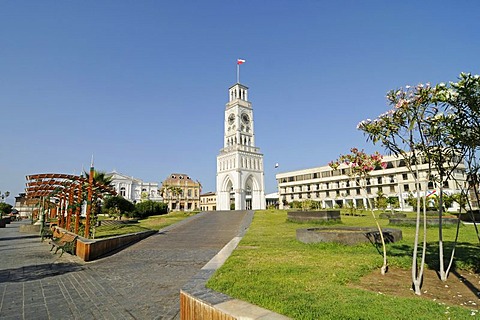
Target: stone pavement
141,282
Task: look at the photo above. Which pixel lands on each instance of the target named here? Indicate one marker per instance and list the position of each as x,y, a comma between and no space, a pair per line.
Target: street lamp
4,196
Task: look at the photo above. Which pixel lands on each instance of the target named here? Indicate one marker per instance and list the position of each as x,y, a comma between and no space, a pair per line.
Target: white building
240,164
335,188
134,189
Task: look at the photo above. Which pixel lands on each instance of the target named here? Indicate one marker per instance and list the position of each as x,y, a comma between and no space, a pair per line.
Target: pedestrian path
141,282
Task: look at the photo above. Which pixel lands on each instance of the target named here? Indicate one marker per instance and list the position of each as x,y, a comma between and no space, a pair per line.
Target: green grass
270,268
151,223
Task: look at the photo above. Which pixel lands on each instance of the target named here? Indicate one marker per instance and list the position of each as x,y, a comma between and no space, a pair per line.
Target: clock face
231,118
245,118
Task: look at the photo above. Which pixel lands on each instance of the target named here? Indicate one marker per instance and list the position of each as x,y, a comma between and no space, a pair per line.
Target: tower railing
239,147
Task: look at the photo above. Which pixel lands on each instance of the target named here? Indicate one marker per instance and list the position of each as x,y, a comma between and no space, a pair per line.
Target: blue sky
142,85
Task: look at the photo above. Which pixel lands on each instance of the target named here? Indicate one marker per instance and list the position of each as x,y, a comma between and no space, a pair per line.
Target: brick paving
142,281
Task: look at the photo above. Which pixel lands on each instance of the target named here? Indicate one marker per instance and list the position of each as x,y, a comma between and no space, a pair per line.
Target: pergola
62,196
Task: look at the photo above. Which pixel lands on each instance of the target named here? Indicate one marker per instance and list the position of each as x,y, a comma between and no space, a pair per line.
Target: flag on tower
240,61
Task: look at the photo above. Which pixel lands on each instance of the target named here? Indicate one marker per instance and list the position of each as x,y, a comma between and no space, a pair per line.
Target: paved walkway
141,282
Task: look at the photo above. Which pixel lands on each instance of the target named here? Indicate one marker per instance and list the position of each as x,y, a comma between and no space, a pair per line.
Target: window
122,191
379,180
404,176
445,184
406,187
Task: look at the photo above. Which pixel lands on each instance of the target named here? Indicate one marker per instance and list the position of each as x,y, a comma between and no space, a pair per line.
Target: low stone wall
467,217
388,215
30,228
312,216
347,235
430,221
91,249
115,222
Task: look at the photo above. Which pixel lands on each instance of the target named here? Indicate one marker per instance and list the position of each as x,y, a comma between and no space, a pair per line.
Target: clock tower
240,174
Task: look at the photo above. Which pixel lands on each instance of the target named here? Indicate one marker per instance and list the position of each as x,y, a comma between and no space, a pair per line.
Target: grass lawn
270,268
151,223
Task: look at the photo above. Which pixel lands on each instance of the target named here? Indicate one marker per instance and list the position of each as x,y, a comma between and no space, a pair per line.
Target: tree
5,208
100,177
393,203
399,131
381,202
359,167
117,206
438,126
148,208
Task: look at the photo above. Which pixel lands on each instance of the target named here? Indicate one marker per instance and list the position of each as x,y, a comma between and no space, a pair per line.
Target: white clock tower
240,164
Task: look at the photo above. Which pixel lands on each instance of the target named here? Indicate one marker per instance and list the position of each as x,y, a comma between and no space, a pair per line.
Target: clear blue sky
143,85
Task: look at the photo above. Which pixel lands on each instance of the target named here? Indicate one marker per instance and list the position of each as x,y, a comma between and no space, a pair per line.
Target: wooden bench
66,242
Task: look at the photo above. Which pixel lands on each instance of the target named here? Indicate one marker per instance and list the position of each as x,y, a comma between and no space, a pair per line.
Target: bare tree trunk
384,268
417,271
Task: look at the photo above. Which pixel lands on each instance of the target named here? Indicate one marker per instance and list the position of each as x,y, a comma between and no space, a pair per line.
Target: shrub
149,208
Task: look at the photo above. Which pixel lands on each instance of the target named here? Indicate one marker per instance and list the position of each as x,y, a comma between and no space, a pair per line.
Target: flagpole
238,73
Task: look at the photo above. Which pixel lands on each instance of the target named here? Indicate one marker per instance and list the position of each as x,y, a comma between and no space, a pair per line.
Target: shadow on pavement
22,237
37,272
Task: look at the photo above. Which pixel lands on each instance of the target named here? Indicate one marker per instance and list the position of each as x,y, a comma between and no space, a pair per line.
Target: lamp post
4,196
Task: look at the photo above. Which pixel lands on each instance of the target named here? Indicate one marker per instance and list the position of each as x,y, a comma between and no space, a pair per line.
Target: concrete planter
388,215
313,216
347,235
468,217
430,221
92,249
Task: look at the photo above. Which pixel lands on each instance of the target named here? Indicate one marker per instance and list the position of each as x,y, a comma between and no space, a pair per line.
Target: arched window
122,191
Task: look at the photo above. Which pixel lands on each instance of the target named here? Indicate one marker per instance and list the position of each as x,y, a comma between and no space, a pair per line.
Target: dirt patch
462,288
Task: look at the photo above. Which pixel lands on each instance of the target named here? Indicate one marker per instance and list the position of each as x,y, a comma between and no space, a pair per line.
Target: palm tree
100,177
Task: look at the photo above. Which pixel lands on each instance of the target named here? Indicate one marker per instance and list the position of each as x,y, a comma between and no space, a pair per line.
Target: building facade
25,206
181,193
334,188
240,173
208,201
133,189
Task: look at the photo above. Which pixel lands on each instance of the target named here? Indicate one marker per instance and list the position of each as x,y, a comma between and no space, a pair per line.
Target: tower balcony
239,147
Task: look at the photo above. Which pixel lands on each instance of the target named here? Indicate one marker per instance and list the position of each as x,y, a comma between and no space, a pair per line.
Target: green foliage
149,208
5,208
117,206
295,204
381,201
151,223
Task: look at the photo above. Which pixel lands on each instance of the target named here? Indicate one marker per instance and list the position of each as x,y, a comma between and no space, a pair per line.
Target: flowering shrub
360,164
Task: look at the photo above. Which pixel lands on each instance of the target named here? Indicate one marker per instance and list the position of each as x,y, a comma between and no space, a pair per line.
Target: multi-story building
208,201
334,188
24,206
181,193
134,189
